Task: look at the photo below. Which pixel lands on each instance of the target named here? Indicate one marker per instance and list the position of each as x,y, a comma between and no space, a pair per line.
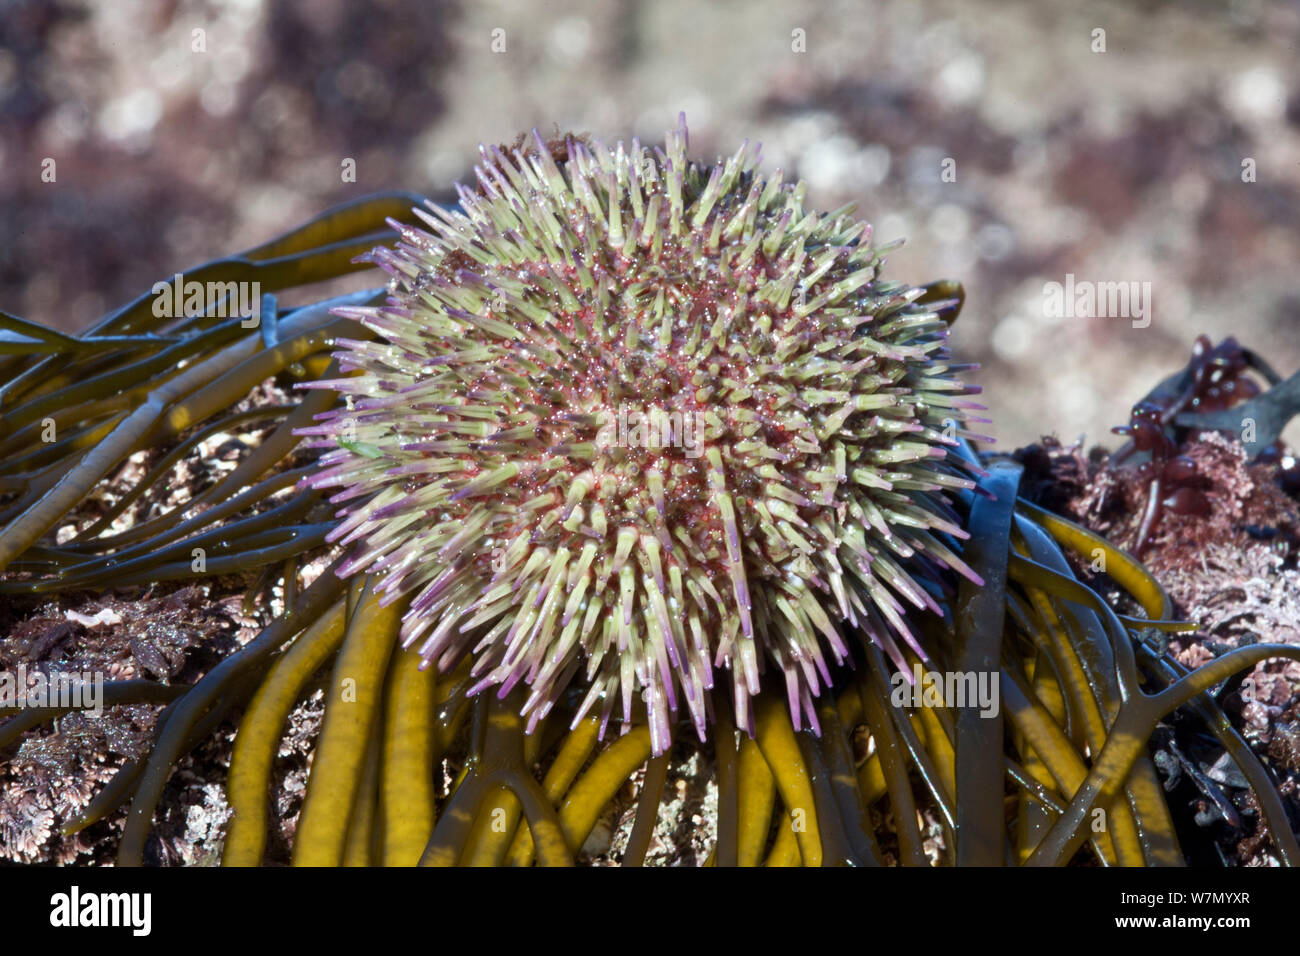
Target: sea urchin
636,419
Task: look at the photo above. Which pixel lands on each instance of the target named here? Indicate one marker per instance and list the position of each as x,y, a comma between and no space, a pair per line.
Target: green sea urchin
639,418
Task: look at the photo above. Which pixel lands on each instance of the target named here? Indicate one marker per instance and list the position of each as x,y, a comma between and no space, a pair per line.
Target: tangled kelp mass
411,767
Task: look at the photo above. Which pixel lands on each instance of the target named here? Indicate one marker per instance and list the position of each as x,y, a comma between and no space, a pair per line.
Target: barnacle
410,764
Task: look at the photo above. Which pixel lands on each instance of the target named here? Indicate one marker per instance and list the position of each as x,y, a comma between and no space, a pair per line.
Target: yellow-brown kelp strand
631,418
355,696
248,787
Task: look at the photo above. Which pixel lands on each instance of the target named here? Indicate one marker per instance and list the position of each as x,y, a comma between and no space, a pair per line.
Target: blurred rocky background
1012,143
